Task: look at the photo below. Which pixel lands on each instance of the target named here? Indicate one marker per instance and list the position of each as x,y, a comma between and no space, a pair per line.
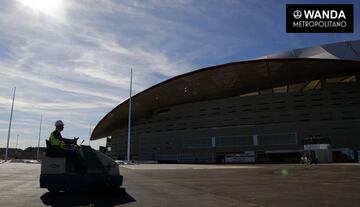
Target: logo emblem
319,18
297,14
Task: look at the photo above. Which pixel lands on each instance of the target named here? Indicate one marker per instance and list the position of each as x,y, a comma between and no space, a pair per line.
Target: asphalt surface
198,185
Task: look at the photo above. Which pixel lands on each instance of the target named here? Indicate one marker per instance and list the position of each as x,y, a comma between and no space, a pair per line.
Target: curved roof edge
347,50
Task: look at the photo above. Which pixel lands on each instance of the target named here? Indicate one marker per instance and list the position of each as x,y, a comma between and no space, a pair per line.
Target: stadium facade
271,109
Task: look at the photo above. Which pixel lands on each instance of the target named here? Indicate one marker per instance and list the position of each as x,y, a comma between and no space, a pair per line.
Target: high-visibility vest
55,141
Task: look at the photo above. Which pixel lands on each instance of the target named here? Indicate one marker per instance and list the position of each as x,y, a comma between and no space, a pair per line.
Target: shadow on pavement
86,199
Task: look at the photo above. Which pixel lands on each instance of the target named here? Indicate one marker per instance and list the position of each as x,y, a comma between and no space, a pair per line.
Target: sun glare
52,8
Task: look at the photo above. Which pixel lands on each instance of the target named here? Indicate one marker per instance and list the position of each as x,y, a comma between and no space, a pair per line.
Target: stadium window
197,142
348,118
229,119
232,141
318,86
311,85
354,92
326,119
316,99
266,91
281,89
277,139
230,107
342,79
296,87
284,115
162,112
335,93
250,94
316,139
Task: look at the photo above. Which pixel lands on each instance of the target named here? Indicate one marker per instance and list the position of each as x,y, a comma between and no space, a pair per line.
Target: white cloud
72,70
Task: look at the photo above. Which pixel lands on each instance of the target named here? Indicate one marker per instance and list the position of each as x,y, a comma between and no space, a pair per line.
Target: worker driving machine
60,173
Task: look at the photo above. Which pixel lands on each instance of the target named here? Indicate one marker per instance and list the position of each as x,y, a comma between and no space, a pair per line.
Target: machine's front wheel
53,190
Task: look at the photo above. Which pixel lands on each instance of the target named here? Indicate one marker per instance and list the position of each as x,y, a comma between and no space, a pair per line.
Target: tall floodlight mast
9,132
38,149
129,122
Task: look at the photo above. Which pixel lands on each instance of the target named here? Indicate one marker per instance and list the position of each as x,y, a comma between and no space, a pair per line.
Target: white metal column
9,132
129,121
37,154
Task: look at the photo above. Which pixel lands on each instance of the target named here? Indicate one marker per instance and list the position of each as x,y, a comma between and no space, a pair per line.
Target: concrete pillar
213,143
255,139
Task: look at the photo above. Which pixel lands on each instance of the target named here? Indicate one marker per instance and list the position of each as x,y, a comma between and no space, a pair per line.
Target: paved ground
186,167
198,185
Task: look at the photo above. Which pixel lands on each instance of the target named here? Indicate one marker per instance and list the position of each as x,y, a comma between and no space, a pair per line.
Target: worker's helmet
59,123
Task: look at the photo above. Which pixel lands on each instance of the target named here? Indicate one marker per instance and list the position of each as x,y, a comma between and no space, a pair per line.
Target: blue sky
71,60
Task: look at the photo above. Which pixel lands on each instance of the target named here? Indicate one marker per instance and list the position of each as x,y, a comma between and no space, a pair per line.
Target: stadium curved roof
237,78
349,50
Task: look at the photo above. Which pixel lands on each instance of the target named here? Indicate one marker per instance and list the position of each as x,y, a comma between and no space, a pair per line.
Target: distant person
302,159
65,147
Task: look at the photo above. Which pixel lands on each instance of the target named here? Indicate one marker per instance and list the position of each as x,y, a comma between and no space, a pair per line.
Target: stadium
270,109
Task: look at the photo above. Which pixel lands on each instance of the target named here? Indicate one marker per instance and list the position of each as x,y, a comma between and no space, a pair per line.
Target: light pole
89,134
11,115
17,139
37,154
129,122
